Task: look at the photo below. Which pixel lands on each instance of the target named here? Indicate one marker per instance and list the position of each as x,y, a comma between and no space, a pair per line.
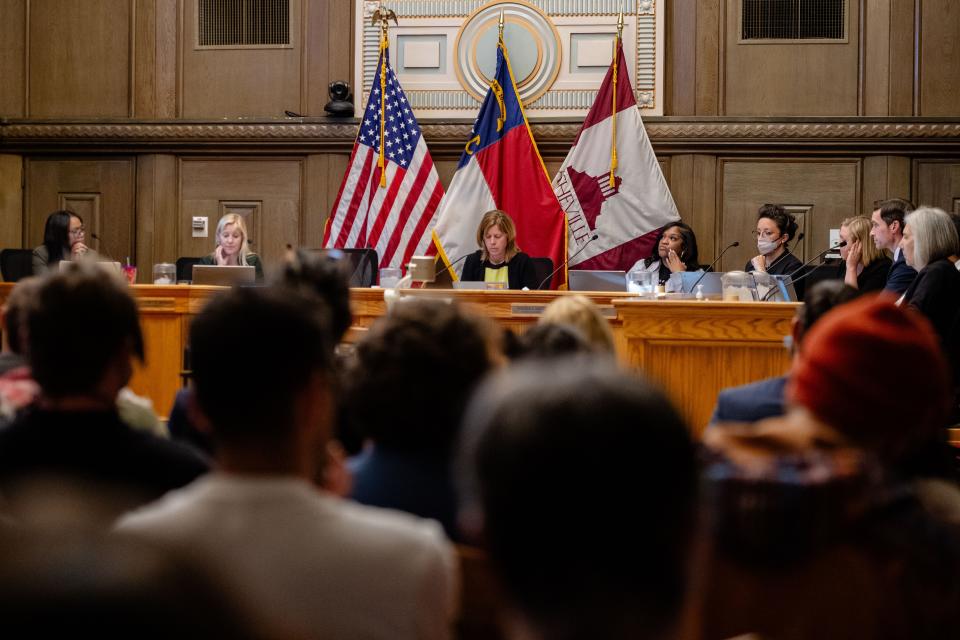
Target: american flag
395,219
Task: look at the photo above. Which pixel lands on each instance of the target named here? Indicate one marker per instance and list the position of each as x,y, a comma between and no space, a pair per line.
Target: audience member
232,249
864,267
586,542
63,236
776,227
764,399
580,312
71,446
674,251
887,222
295,555
412,377
499,259
12,323
550,340
836,507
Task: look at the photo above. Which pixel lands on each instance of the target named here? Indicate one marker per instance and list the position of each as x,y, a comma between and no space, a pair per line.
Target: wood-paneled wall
135,61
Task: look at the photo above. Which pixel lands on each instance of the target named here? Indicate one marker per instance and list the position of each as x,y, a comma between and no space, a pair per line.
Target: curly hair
786,222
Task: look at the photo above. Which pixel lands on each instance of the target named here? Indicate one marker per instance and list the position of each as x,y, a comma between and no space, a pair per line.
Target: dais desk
692,348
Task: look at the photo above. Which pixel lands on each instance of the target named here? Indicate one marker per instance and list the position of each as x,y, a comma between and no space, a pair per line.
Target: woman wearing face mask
775,229
499,259
674,251
231,248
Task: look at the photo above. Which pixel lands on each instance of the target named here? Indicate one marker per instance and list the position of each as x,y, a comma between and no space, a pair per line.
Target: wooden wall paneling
888,63
680,63
166,60
247,82
79,56
11,201
12,58
157,236
145,59
328,52
274,182
938,184
885,177
788,78
322,177
830,186
107,184
939,57
709,56
693,185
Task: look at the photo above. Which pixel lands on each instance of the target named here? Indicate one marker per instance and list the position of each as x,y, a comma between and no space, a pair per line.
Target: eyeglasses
77,232
766,235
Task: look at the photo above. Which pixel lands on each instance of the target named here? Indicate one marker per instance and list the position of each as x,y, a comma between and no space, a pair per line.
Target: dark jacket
901,275
872,278
936,294
750,402
520,271
253,260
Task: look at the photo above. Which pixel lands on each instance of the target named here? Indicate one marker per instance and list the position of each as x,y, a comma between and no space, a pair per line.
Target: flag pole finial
620,23
500,25
382,17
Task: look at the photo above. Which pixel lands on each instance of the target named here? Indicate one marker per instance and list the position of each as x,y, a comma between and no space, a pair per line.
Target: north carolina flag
501,168
628,213
390,205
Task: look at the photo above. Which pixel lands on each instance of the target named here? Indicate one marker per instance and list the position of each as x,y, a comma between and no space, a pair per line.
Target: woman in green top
231,248
499,259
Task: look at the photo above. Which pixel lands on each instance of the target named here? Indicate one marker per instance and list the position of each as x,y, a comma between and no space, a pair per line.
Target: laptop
224,276
772,288
597,280
711,283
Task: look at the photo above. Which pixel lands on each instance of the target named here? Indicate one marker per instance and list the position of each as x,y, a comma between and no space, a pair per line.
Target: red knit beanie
875,372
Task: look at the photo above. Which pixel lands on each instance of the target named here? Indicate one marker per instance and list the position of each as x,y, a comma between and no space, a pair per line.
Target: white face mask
766,246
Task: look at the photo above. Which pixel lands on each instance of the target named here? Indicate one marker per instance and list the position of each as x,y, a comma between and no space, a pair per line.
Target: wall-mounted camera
341,100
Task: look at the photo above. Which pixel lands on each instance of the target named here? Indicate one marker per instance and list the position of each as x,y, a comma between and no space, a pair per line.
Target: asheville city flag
611,183
501,168
389,195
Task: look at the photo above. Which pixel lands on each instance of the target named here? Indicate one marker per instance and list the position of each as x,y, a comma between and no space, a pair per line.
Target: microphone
567,261
806,264
454,263
735,243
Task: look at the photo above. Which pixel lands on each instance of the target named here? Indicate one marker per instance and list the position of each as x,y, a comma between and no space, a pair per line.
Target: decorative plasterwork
566,44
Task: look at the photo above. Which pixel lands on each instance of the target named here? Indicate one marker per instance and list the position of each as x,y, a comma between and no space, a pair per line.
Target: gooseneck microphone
806,264
735,243
454,263
567,261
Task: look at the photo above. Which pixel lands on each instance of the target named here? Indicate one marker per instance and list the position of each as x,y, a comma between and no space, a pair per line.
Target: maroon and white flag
626,214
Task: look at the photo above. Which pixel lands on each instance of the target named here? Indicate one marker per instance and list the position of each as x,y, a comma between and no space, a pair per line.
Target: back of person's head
590,535
254,350
414,372
582,313
844,368
80,322
821,298
551,340
15,313
934,236
324,277
894,210
786,222
56,233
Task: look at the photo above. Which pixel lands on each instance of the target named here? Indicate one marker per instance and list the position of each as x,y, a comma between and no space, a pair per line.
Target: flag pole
613,130
381,17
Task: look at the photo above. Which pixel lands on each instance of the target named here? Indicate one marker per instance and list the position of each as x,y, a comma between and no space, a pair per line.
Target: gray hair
934,236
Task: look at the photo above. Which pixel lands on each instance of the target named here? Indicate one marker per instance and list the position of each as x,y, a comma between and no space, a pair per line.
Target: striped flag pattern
394,215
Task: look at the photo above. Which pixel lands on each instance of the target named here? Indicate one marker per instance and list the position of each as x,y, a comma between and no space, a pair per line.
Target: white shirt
307,562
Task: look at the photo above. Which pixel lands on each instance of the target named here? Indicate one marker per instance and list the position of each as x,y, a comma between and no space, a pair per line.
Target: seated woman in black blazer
929,239
231,249
865,266
776,227
499,258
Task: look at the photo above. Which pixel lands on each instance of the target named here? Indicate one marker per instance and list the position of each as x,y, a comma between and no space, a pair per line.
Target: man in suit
764,399
887,232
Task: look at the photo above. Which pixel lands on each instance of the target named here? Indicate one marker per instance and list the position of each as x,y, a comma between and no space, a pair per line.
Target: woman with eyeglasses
775,229
63,236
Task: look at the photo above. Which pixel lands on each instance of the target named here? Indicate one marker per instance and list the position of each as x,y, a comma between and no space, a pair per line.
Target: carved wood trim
670,135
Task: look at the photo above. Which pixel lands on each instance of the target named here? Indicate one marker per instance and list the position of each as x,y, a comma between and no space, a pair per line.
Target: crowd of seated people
830,509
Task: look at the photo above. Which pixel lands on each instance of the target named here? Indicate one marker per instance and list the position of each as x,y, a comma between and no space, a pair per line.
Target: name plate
157,304
522,309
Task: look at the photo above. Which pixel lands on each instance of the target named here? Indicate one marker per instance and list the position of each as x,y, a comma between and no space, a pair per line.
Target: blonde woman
865,265
499,259
581,313
231,249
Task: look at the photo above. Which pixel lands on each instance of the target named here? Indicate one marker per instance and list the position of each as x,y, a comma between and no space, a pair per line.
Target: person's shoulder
253,259
41,252
207,259
752,401
388,527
